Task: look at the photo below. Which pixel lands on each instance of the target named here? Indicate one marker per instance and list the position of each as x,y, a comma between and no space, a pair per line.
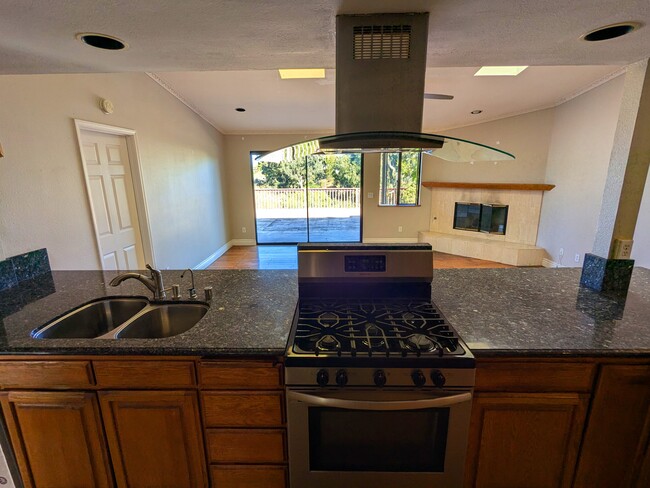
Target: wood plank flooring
285,257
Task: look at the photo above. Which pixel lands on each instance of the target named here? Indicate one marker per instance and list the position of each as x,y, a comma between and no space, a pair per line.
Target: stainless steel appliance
379,385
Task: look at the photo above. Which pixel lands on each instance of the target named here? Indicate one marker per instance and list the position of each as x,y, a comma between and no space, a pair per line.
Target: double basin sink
124,318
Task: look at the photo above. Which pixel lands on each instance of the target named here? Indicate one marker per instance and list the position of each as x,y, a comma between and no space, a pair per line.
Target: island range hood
380,74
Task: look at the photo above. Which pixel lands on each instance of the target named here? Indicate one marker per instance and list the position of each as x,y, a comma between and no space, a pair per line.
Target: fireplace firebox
490,218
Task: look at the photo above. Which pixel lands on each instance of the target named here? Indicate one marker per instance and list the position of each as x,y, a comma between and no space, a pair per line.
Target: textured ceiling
194,35
276,106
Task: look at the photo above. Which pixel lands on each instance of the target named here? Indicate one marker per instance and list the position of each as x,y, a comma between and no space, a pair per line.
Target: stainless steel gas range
379,385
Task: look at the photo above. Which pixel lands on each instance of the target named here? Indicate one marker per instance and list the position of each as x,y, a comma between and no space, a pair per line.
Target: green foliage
323,171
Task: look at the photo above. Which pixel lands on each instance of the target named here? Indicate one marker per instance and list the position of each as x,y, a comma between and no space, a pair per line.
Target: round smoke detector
611,31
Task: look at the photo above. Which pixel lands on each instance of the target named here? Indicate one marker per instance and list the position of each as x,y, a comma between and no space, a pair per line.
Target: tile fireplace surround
517,247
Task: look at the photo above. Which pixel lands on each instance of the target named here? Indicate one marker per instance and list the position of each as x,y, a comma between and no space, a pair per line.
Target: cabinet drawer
46,374
534,377
246,445
243,409
240,375
144,374
248,476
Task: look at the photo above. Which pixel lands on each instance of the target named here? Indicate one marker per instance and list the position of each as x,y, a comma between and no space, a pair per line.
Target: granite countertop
518,311
540,311
250,314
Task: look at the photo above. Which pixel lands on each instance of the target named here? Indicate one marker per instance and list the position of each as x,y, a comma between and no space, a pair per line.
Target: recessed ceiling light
102,41
611,31
292,74
240,109
500,70
476,112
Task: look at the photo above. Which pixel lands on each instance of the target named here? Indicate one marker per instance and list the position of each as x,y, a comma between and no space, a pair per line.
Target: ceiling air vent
382,42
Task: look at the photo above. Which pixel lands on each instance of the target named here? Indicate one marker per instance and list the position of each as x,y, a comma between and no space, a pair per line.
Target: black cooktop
377,329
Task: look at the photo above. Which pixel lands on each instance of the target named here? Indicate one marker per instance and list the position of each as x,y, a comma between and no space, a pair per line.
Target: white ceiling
307,106
219,54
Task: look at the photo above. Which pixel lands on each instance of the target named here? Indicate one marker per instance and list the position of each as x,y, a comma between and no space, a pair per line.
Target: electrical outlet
243,230
561,253
371,195
577,258
622,248
399,228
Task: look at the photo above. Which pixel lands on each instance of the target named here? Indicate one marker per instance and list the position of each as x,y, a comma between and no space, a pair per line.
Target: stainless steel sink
92,320
163,321
121,318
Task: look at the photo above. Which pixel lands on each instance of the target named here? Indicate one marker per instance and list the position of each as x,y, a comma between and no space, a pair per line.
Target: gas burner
328,343
374,337
421,343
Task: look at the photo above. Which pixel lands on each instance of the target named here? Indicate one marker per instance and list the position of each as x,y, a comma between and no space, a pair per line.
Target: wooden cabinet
58,439
524,440
615,448
155,438
244,416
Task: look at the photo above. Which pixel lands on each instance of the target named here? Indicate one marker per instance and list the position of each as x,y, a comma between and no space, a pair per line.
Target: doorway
315,198
116,197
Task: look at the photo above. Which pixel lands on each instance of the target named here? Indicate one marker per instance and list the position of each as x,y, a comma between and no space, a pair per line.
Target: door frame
136,178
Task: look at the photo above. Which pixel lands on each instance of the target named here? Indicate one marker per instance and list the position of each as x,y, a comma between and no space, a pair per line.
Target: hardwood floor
285,257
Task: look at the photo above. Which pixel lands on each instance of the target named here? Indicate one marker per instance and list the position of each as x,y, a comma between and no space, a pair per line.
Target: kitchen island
556,364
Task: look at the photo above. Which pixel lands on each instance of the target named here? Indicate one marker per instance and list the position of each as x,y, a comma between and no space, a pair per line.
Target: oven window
364,440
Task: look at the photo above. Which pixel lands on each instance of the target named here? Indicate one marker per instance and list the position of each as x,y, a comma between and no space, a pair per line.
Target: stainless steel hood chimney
380,74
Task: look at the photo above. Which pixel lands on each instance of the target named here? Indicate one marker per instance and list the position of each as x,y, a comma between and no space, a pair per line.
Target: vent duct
382,42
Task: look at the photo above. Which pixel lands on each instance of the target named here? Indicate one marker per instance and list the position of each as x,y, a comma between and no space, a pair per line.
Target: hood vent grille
382,42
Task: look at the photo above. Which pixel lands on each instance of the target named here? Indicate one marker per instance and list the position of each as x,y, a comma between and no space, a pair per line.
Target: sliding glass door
311,199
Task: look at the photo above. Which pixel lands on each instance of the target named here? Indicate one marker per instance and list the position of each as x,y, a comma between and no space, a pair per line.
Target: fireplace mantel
490,186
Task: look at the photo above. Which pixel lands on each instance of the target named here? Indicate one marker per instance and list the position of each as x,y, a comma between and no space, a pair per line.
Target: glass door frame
254,154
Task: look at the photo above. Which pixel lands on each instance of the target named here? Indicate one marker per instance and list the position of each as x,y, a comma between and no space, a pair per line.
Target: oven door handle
320,401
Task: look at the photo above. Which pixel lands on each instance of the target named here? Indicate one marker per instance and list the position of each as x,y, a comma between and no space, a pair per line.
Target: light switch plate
371,195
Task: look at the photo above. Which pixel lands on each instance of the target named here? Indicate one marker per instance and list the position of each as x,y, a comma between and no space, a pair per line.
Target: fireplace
490,218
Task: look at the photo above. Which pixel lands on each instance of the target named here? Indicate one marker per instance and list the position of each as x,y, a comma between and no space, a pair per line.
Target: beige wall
43,200
579,152
641,247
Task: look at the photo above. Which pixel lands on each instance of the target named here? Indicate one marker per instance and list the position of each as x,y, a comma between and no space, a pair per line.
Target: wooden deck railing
296,198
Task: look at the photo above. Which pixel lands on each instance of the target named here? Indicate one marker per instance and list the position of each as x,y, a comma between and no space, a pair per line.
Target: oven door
378,437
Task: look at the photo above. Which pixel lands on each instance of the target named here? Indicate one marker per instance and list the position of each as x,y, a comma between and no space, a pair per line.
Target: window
399,179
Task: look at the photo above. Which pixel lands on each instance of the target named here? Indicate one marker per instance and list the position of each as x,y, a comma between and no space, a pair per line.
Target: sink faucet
192,290
154,282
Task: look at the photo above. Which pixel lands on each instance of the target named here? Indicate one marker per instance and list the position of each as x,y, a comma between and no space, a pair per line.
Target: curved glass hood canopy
439,146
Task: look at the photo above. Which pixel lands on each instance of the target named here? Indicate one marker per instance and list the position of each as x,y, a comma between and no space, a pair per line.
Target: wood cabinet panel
534,376
255,446
248,476
58,439
45,374
243,409
154,438
144,374
524,440
617,433
240,375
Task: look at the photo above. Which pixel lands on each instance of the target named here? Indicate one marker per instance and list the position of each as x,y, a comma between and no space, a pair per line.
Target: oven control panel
378,377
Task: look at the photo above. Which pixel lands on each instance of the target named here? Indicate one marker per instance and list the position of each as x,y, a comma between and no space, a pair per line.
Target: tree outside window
399,181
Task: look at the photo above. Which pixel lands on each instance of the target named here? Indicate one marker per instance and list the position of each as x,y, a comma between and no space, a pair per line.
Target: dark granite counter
520,311
250,314
539,311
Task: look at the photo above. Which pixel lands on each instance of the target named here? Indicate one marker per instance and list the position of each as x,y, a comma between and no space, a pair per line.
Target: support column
609,267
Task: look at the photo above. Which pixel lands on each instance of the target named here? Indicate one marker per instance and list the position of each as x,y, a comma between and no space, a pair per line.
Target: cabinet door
524,440
616,438
154,438
58,439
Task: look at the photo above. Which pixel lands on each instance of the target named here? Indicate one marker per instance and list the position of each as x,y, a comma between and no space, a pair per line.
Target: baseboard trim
547,263
390,240
243,242
214,256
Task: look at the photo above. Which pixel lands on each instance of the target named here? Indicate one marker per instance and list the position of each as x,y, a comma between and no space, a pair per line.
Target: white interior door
110,188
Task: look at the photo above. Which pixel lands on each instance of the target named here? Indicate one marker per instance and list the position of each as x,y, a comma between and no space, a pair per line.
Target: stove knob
322,377
438,378
379,377
341,377
418,378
